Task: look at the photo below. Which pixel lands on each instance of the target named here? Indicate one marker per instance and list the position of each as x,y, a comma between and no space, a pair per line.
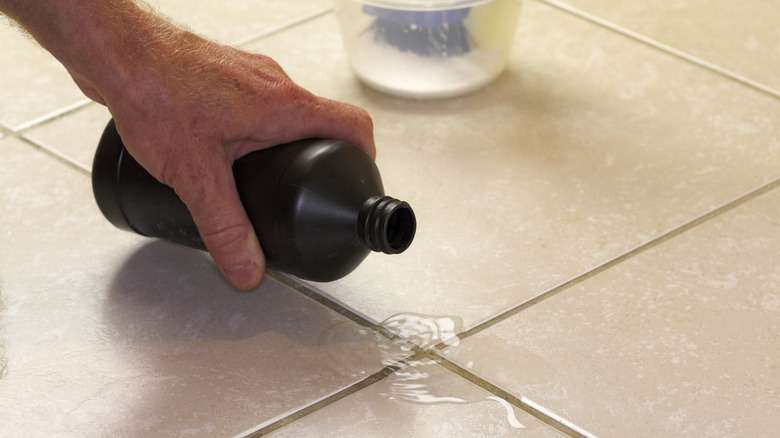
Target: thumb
216,208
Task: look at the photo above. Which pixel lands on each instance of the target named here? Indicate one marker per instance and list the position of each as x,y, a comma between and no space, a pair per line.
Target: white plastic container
428,48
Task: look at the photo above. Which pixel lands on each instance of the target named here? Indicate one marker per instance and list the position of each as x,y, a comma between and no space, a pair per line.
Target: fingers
298,114
211,196
187,133
309,116
346,122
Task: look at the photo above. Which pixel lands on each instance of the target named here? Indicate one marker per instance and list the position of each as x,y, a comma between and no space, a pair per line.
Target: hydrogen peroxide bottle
318,206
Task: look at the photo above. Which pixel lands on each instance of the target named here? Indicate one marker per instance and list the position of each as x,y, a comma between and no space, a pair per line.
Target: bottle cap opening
401,227
386,225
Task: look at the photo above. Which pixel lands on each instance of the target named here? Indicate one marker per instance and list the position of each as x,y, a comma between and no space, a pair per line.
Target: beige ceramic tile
33,84
588,145
231,21
74,137
103,333
740,36
422,400
680,341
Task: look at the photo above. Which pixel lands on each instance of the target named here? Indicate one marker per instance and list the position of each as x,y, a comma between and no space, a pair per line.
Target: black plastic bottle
318,206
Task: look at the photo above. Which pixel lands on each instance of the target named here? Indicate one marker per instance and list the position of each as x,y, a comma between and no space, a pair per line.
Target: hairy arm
187,108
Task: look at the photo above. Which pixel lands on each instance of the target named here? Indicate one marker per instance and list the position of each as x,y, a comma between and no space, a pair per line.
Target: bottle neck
386,225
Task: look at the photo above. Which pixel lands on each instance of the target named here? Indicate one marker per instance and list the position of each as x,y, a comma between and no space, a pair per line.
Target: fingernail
244,277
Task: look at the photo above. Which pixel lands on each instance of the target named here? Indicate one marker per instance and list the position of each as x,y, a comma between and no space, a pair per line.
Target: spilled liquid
422,382
415,384
423,330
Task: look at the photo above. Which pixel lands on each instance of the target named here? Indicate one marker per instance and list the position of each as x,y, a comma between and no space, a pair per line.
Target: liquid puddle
423,330
421,382
417,383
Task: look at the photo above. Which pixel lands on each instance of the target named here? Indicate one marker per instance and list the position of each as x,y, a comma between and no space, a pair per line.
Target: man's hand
187,108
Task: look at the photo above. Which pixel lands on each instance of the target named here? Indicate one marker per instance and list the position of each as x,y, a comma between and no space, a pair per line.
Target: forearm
104,44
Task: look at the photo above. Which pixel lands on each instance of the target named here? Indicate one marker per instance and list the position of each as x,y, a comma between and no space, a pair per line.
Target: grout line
52,115
57,154
545,415
330,399
536,410
18,132
661,46
282,27
314,295
347,312
631,253
323,298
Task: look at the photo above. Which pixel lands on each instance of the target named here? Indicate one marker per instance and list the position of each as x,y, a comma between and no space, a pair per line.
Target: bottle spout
386,225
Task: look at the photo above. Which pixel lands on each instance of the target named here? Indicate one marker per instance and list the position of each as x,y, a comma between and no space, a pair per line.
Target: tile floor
596,252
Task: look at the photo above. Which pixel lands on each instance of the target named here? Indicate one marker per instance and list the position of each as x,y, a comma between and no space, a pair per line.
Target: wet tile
740,36
422,400
588,145
106,333
681,340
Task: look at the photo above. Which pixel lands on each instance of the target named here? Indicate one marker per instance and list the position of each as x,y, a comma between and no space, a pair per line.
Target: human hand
189,108
190,119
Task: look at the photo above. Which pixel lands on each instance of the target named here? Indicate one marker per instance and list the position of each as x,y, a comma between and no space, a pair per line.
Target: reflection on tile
590,144
682,340
422,400
32,82
740,36
103,333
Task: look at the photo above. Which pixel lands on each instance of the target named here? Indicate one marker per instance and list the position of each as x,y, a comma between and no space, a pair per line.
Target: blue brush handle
418,18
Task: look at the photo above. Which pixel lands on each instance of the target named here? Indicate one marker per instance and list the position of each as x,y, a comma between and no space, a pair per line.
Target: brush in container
427,49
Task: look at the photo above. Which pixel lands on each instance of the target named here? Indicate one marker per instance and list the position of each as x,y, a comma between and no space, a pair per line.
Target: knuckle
365,119
266,61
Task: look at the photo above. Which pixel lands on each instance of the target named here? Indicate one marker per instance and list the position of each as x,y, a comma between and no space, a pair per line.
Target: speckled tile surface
681,340
32,83
742,37
74,137
232,21
589,146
